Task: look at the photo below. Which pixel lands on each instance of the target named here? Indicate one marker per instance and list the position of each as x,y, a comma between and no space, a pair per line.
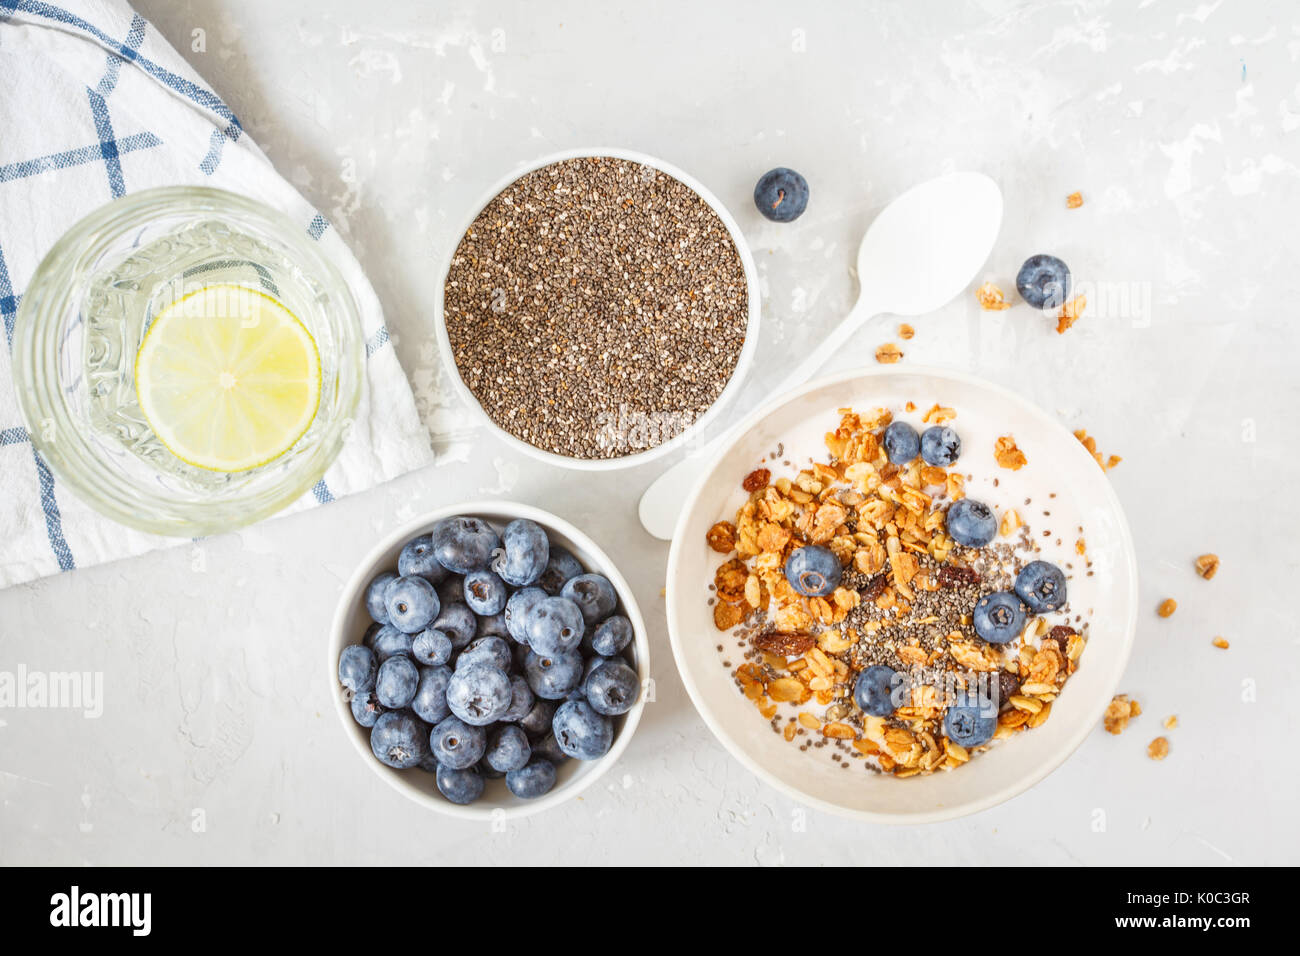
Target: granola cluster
905,599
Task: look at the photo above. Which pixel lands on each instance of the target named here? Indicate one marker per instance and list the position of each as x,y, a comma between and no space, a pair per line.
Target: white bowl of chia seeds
599,309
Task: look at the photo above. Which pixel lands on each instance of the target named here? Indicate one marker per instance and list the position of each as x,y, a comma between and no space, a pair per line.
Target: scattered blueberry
582,732
463,544
813,571
412,603
479,693
458,622
781,194
940,446
456,744
612,635
396,683
430,701
999,617
431,646
552,676
532,780
874,691
487,650
1041,586
902,443
525,552
357,668
485,593
970,724
612,688
971,523
507,749
459,786
390,642
538,719
417,558
560,567
522,701
366,708
1044,282
593,594
398,740
554,625
375,596
516,611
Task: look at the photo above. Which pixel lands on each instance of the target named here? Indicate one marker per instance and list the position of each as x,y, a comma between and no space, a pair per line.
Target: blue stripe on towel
53,520
75,157
322,492
8,301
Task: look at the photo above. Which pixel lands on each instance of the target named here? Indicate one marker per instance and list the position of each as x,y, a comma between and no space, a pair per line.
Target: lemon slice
228,378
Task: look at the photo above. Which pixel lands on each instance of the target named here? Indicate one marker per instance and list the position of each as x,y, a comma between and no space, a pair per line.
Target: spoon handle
662,502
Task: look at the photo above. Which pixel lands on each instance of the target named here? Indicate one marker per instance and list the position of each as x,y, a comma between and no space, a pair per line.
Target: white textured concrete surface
1179,122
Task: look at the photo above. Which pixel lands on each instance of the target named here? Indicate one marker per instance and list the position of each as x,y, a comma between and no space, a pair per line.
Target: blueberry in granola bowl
902,443
813,571
874,690
971,523
1044,282
940,446
1041,585
970,724
999,617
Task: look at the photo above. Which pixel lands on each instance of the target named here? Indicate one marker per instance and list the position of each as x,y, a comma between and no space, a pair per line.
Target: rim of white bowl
1013,788
353,593
738,374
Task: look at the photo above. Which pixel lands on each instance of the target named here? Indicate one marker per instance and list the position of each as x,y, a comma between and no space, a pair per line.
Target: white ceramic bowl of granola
1058,464
743,361
351,622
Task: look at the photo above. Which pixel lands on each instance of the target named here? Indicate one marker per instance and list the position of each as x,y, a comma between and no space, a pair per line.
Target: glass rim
51,296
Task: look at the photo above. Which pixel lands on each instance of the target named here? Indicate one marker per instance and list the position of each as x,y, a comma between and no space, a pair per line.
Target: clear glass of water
87,310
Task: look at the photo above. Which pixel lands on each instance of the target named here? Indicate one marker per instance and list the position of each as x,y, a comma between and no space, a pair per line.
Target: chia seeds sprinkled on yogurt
596,307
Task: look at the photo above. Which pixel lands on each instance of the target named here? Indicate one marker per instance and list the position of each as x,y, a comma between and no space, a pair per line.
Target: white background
1180,124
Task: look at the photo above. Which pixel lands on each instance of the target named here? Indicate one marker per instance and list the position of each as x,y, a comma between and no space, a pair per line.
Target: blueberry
554,625
485,593
398,740
548,748
902,443
1041,586
999,617
479,693
487,650
1044,282
458,622
459,786
390,642
522,701
507,749
395,685
538,719
366,708
451,589
874,690
456,744
581,732
813,571
533,780
940,446
593,594
516,611
412,603
375,596
368,639
781,194
612,688
552,676
970,724
463,545
430,701
525,550
417,558
494,625
357,668
519,653
431,646
612,635
560,567
971,523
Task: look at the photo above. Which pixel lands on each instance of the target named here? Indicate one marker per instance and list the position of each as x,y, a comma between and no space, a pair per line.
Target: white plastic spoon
923,249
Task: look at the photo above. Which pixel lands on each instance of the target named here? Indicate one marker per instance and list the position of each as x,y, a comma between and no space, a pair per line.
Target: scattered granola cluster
903,598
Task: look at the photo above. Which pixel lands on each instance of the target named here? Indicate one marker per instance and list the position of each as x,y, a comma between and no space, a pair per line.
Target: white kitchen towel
94,104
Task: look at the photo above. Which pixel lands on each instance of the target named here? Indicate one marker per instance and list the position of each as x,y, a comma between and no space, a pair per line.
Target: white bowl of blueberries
488,658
